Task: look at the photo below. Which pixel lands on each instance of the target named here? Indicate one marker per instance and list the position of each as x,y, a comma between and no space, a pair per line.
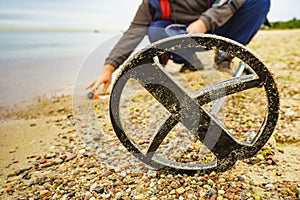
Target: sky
96,14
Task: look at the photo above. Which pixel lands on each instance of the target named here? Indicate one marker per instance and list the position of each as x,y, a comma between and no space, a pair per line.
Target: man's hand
105,78
197,27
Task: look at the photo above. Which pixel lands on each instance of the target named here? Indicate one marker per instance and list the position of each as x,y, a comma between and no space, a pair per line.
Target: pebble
222,180
173,191
241,178
123,174
70,157
174,184
269,186
260,157
93,186
106,173
58,161
50,155
289,113
99,190
222,198
212,192
180,190
152,184
152,174
45,193
12,151
43,161
82,151
221,192
214,197
139,197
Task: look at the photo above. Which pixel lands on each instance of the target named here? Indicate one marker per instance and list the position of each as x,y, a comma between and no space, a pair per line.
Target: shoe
194,64
223,61
187,67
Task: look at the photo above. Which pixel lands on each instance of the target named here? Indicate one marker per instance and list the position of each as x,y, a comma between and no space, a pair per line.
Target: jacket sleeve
130,38
220,13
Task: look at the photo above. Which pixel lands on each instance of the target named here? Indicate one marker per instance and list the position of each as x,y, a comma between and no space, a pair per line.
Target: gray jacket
182,12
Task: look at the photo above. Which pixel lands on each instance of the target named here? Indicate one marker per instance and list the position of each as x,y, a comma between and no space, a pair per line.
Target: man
235,19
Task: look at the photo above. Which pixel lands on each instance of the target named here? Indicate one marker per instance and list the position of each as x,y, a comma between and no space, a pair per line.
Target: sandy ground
31,131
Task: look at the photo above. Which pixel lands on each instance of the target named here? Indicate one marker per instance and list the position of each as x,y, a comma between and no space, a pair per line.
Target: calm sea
38,63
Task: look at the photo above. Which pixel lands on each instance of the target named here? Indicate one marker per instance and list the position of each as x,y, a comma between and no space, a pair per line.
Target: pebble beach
48,152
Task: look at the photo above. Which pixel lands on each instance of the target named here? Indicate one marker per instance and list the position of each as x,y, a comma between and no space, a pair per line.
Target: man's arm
220,12
130,38
122,50
105,78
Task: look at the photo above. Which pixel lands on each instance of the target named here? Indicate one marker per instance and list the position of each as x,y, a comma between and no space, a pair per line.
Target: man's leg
242,27
246,21
157,32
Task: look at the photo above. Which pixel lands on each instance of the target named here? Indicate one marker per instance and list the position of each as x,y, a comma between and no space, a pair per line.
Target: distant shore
20,29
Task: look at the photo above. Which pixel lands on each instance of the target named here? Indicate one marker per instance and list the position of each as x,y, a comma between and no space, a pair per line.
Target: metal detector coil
187,109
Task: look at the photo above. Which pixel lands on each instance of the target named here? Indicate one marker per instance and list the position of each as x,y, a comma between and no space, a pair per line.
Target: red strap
166,10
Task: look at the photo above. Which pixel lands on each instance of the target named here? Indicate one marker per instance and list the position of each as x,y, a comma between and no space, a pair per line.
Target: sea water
38,63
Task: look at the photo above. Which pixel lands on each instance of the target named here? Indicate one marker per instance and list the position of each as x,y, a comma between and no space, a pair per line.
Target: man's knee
156,30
